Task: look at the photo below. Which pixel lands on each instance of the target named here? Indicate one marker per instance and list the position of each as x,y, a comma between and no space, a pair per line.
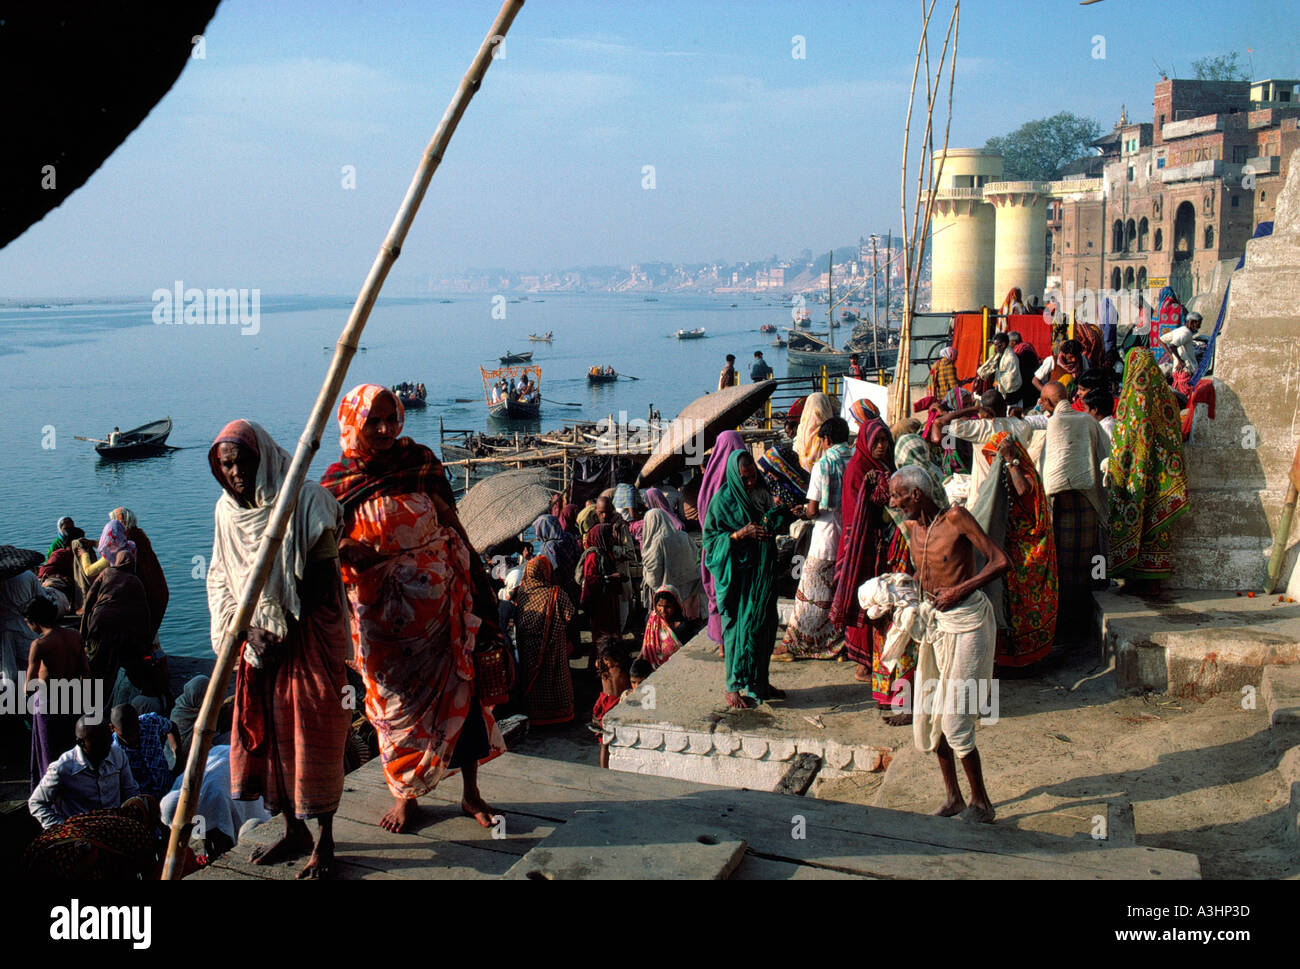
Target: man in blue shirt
141,738
759,370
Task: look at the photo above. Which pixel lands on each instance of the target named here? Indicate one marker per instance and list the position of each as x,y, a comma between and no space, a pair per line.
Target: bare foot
737,702
295,842
949,808
979,813
898,720
321,862
399,817
478,810
719,653
862,674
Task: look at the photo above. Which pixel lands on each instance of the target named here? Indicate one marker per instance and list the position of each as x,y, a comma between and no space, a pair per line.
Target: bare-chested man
57,670
956,653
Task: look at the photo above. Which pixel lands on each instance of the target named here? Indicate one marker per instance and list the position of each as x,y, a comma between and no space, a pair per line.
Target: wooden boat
410,395
778,342
516,357
767,328
508,406
147,439
807,351
542,337
695,334
602,375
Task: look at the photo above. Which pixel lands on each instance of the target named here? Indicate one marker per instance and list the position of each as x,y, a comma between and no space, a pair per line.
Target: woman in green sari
740,552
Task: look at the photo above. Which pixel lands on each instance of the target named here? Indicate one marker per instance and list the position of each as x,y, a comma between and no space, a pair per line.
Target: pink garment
715,475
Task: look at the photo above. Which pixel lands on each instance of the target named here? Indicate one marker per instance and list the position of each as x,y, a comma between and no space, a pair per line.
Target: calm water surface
83,369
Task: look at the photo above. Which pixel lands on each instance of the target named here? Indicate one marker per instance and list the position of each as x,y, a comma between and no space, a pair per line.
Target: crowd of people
928,551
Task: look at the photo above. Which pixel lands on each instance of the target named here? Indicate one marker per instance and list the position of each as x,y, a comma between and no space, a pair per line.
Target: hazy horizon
235,180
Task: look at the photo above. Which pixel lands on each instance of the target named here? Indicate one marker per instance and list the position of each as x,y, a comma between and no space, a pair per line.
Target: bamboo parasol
500,507
701,421
309,442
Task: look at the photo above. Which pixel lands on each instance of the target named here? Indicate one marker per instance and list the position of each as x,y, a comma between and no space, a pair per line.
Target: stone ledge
1197,644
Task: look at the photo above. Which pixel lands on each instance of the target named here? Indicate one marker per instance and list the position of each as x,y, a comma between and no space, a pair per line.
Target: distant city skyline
606,136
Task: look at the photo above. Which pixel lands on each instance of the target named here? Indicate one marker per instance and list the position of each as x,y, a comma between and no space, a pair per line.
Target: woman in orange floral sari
1013,509
407,563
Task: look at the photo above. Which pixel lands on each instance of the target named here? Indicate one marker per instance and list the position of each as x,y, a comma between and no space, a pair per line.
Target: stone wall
1238,463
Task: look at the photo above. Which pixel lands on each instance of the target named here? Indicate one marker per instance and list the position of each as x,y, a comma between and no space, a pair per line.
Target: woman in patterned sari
1013,508
407,566
1148,476
817,410
870,545
544,611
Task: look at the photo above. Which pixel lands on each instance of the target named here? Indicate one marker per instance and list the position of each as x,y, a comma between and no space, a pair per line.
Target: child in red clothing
612,666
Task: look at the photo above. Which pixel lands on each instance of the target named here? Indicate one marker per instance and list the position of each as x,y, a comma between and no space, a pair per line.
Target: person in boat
413,582
57,655
740,552
289,724
959,636
114,436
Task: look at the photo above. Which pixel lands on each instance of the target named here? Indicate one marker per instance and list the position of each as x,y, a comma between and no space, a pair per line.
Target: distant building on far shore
1162,203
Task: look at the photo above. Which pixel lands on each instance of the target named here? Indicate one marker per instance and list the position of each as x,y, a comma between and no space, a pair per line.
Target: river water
83,369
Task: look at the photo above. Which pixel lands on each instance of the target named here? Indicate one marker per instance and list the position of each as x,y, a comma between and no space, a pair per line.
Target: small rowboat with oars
142,441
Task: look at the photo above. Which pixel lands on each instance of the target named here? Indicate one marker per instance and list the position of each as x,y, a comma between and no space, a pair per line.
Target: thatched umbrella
15,561
500,507
698,426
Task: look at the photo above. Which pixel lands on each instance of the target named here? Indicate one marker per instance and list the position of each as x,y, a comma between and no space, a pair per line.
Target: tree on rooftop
1221,68
1038,150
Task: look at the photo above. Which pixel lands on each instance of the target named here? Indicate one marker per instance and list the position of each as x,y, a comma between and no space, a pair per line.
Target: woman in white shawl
669,557
290,721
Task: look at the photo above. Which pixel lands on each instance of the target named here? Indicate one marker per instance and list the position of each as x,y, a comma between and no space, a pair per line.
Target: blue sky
235,178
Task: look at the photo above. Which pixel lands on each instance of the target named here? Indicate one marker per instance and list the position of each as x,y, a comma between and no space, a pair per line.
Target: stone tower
962,231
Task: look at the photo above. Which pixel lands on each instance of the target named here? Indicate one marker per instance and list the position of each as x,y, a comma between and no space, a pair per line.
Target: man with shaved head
92,775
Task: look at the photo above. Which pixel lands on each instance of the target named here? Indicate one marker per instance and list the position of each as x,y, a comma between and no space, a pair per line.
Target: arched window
1142,279
1128,278
1117,236
1130,234
1184,232
1143,231
1115,279
1159,242
1209,237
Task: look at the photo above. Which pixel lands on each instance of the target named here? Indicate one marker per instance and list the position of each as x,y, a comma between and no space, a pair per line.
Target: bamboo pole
309,442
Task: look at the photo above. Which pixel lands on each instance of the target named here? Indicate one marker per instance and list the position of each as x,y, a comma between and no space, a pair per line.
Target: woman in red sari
1014,510
407,568
870,545
601,582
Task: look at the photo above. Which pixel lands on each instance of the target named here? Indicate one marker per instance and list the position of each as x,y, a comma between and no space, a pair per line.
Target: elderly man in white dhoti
955,662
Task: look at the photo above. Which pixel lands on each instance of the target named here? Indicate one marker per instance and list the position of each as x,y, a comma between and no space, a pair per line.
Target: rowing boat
139,441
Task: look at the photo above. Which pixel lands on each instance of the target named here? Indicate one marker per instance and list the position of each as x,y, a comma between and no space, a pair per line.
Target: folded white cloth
896,593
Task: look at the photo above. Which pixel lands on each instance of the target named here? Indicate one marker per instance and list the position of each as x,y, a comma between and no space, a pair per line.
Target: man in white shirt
978,425
1071,473
92,775
1002,367
1181,343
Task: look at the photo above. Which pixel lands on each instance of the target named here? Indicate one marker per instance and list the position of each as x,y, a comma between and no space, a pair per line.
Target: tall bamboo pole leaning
917,234
309,442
